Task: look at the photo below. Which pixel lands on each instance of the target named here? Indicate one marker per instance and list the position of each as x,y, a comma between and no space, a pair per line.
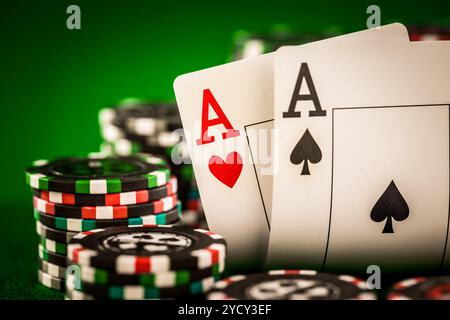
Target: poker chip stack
135,126
144,262
193,215
81,194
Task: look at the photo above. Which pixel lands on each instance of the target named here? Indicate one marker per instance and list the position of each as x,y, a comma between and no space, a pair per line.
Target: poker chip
136,292
165,279
421,288
165,139
142,118
291,285
54,234
52,269
112,199
105,212
99,175
106,116
112,133
53,246
53,258
78,225
50,281
125,147
124,141
147,249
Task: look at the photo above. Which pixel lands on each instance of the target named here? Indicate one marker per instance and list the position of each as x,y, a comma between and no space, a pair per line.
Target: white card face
400,149
375,144
236,195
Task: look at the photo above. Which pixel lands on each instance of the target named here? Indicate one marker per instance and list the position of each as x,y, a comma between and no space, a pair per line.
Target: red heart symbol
227,171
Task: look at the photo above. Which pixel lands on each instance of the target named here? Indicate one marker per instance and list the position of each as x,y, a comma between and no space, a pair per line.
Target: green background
54,80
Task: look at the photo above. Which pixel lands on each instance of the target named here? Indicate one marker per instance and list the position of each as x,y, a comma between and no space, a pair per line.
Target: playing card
227,115
363,145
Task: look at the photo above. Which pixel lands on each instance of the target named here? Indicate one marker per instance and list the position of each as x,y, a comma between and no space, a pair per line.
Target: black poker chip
50,281
99,175
167,112
136,292
164,279
142,118
111,199
125,147
105,212
54,234
52,269
291,285
147,249
79,225
53,258
421,288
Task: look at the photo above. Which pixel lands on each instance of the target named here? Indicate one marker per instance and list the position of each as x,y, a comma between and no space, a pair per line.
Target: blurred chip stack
144,262
81,194
136,126
248,44
193,211
428,33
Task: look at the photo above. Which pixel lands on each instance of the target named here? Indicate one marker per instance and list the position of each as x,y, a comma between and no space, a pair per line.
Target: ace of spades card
227,115
363,145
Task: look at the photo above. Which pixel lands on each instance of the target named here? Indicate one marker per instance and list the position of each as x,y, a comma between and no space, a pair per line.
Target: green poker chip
99,175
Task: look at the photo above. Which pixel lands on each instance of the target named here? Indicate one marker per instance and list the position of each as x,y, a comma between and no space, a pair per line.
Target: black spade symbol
306,150
391,205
